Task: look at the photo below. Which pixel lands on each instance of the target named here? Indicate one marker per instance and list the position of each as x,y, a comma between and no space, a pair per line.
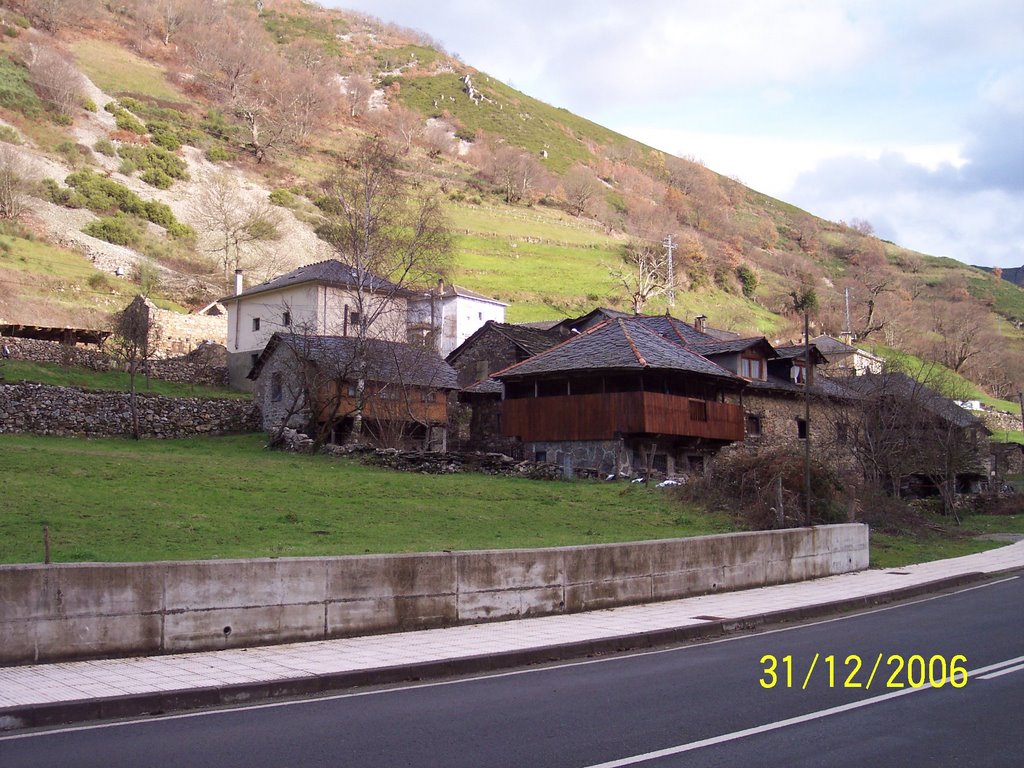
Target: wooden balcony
601,416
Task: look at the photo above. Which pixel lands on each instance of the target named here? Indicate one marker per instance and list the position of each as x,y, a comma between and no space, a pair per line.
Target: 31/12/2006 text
897,671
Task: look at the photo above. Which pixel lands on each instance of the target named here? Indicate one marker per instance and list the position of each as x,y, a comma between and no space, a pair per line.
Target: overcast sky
907,114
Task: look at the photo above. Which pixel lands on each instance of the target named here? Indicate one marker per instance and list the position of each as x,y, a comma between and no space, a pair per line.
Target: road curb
166,702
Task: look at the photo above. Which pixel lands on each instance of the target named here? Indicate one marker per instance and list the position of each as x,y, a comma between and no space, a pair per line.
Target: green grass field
117,381
207,498
118,71
121,500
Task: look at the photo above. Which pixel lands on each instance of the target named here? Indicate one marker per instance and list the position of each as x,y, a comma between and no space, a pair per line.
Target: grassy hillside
534,255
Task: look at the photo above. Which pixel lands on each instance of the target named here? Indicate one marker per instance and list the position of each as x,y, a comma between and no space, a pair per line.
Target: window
275,386
255,323
752,368
286,319
353,318
753,425
351,390
698,410
430,396
541,457
801,429
479,315
252,359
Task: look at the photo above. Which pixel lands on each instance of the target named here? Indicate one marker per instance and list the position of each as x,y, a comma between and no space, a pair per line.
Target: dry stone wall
89,358
42,409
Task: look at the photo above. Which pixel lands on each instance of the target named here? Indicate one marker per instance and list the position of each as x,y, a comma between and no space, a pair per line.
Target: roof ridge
559,345
683,348
636,352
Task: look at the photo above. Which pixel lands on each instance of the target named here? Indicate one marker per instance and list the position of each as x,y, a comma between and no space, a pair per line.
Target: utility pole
670,246
1020,397
848,330
807,414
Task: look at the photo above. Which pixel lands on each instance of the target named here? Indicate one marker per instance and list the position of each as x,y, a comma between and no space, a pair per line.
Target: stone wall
206,364
41,409
55,612
178,334
38,351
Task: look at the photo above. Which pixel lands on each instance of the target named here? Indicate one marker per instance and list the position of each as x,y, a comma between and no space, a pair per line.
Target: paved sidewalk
47,694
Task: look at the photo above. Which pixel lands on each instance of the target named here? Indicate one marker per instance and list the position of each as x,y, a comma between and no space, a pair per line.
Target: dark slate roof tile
616,345
386,361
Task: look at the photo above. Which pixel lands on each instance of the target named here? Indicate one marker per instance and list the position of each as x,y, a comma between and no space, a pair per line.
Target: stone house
449,315
775,405
620,398
917,438
327,298
845,359
311,383
491,348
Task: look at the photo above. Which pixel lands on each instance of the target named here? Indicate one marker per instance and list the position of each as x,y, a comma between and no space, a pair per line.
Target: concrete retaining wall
54,612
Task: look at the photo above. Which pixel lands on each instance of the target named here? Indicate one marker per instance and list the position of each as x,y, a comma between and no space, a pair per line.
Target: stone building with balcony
622,399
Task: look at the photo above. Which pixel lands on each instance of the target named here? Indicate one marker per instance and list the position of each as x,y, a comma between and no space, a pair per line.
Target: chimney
700,322
440,286
238,281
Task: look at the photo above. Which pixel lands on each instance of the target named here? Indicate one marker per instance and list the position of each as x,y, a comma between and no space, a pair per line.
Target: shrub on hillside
159,167
15,90
118,229
217,153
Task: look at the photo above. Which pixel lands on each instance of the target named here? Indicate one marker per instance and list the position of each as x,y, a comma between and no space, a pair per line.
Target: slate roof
386,361
458,290
797,350
531,340
717,347
330,272
485,387
673,329
616,345
902,385
822,386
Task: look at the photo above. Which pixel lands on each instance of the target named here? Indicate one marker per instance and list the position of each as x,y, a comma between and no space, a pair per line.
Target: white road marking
494,675
1001,672
735,735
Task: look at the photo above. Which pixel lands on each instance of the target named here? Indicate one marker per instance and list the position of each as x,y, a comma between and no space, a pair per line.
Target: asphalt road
700,705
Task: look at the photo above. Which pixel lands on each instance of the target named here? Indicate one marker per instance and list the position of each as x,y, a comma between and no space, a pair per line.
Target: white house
845,359
451,314
319,299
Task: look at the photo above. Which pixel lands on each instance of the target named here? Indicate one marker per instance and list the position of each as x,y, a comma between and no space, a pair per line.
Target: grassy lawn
118,381
206,498
120,500
117,70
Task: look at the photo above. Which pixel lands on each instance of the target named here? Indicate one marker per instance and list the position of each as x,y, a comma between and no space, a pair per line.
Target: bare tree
238,230
437,139
130,344
643,272
53,15
389,233
14,200
580,187
358,90
515,172
54,77
962,332
905,426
